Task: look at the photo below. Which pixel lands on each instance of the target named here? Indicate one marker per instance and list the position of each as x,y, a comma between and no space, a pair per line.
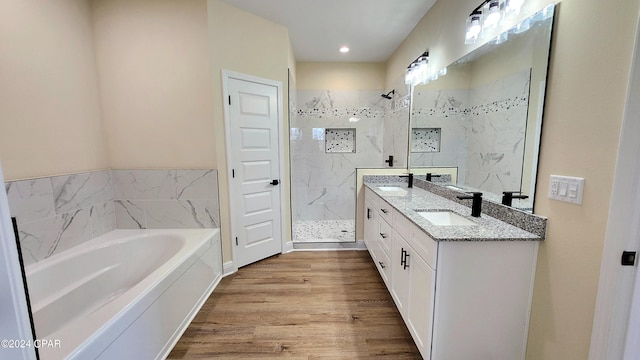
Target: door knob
275,182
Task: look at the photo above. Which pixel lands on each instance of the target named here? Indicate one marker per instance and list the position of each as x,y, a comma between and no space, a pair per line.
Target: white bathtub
128,294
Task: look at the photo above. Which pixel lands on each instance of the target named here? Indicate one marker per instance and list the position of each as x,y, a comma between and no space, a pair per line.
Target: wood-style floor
301,305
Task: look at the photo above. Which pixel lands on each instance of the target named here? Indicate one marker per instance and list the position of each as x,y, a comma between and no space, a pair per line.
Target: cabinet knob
384,210
381,264
384,236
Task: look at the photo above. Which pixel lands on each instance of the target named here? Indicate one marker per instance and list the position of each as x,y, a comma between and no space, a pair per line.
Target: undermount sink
393,190
445,218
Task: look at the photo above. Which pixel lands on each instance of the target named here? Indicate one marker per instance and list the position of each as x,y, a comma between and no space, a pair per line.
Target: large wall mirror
485,115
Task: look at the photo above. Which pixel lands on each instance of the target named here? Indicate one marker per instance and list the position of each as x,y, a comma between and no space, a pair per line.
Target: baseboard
358,245
288,247
228,268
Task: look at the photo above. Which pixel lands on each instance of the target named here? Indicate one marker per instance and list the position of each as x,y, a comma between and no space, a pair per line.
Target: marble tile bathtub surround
166,199
59,212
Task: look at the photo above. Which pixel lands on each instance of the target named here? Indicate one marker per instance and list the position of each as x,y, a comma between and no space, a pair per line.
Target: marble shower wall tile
323,183
57,213
483,131
164,199
498,120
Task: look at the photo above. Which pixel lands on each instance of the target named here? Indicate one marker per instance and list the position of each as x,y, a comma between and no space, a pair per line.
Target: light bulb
494,15
513,7
473,29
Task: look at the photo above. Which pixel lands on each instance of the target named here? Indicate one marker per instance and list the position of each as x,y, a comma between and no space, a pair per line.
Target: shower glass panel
331,134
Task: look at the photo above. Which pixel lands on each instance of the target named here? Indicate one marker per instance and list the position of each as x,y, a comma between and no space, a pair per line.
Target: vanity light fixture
418,71
344,49
488,15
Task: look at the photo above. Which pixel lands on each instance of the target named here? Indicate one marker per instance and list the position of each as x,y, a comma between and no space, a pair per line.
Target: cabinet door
400,273
420,307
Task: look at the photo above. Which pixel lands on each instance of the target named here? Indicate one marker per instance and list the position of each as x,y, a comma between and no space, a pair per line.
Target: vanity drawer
372,198
401,224
424,245
384,267
386,211
385,236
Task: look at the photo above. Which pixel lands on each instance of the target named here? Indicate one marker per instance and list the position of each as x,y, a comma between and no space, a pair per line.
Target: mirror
484,116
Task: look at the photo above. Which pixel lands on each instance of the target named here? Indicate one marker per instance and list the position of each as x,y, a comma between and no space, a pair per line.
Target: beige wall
586,88
340,76
50,121
257,47
155,81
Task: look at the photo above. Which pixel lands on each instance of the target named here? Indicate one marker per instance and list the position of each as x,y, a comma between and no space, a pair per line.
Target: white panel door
255,190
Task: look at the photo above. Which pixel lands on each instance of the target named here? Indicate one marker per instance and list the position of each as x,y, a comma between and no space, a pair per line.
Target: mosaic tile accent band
491,107
364,112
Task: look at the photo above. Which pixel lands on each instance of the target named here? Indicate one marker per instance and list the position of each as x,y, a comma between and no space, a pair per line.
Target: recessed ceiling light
344,49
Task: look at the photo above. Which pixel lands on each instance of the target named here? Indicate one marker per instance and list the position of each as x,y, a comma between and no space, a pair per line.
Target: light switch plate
566,188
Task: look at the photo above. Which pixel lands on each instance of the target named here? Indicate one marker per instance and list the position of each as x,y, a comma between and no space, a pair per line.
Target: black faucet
430,175
410,176
508,196
476,206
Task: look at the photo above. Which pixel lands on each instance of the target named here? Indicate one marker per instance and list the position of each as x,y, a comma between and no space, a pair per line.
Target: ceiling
372,29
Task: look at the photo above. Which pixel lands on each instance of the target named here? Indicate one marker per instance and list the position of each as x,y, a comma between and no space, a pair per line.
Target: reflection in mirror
485,115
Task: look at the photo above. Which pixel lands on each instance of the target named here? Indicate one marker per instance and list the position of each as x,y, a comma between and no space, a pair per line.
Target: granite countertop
487,229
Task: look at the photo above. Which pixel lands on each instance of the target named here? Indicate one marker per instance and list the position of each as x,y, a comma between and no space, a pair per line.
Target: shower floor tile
324,231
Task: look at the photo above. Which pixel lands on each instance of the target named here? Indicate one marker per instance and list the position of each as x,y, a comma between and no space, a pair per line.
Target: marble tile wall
446,110
323,184
60,212
482,131
497,128
166,199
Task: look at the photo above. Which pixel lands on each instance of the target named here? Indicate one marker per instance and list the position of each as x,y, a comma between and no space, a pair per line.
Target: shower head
388,95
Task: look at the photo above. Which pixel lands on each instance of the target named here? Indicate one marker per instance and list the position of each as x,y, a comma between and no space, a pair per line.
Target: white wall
50,116
155,82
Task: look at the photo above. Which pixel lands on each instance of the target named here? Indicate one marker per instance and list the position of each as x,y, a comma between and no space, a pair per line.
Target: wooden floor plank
301,305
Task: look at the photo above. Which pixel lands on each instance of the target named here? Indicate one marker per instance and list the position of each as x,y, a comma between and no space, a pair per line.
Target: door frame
17,325
226,77
616,318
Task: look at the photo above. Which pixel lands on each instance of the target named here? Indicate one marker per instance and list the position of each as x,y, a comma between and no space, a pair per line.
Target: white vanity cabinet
461,299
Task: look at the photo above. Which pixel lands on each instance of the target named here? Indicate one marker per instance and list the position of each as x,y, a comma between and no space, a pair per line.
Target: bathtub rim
105,325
